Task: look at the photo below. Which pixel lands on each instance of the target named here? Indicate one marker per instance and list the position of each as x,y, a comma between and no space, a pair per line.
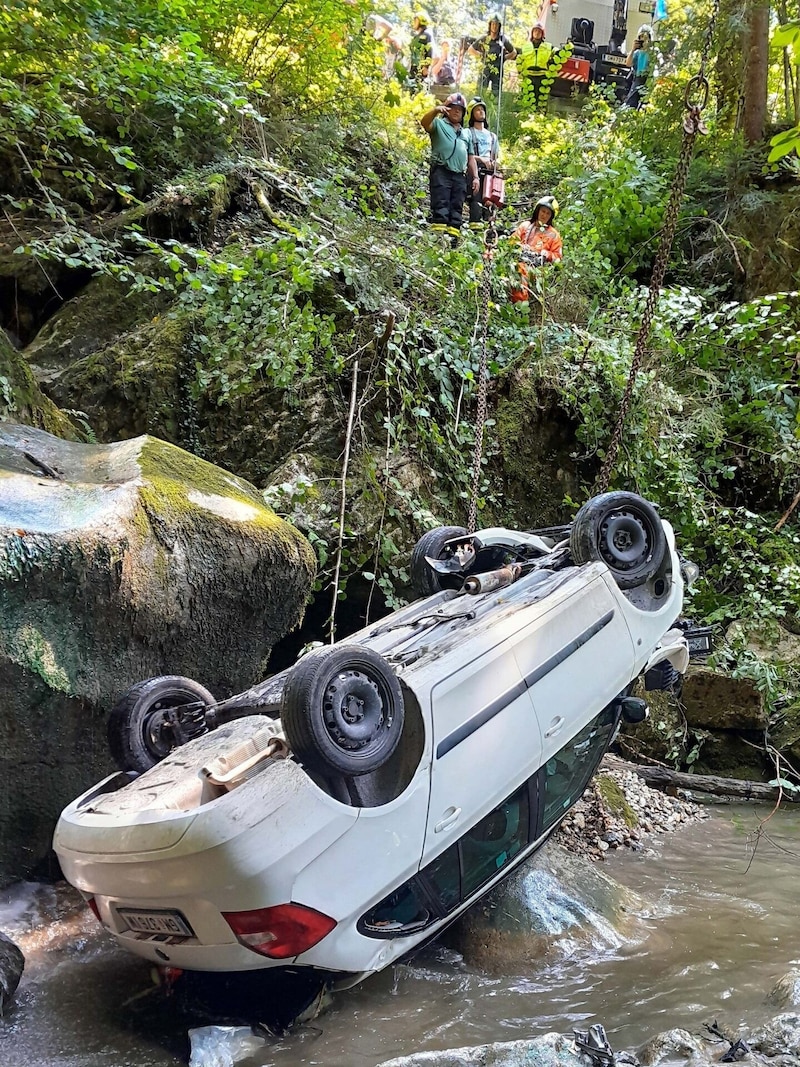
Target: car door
486,739
577,659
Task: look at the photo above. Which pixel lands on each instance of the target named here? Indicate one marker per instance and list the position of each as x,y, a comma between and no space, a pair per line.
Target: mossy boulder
129,386
94,318
536,440
22,400
144,382
118,563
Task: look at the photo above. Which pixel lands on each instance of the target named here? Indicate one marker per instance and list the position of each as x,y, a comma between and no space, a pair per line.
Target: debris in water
223,1046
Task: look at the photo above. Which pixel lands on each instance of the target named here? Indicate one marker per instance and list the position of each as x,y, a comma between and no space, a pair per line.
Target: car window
567,773
495,840
444,877
403,911
444,883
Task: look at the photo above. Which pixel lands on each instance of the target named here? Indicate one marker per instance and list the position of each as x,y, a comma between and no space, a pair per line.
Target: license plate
170,923
699,640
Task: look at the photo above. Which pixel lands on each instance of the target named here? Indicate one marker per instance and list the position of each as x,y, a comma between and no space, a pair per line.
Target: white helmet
645,29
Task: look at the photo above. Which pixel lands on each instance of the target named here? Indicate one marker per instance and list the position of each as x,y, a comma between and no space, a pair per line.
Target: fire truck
599,32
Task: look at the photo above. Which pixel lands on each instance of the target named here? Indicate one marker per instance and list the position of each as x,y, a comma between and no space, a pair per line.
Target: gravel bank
618,810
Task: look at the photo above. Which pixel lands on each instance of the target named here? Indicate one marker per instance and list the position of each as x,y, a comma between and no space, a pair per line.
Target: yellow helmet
476,102
421,17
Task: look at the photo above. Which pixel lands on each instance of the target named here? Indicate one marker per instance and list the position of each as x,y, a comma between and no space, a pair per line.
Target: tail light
93,905
279,932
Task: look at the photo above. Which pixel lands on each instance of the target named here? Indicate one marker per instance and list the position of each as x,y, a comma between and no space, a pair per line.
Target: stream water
720,926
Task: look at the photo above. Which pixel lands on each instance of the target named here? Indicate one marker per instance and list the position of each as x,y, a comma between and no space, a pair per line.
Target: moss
173,474
535,439
36,653
614,799
21,399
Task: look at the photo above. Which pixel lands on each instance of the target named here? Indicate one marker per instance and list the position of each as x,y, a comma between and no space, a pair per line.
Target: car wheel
342,710
424,580
622,530
139,730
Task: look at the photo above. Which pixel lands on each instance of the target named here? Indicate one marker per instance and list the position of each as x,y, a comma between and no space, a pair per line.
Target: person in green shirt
450,152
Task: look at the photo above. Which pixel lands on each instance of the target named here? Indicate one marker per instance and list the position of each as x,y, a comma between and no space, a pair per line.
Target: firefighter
541,243
420,50
450,149
533,63
494,49
483,154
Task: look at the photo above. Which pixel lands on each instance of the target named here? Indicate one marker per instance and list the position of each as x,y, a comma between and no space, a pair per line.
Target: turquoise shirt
481,143
640,61
449,146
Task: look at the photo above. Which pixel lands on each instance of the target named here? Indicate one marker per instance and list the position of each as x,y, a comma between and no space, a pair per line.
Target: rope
485,294
695,99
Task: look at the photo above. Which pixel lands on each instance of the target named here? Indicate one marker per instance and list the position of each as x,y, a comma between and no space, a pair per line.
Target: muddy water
721,924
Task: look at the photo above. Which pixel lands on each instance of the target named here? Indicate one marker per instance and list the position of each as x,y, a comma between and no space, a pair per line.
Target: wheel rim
625,541
355,711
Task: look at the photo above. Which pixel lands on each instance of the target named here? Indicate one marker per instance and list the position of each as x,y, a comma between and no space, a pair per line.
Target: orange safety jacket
545,240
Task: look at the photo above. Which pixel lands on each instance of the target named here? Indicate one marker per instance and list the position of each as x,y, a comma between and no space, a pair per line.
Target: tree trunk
728,63
755,91
663,777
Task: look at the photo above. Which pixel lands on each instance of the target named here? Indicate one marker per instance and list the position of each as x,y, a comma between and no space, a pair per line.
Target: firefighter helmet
537,26
548,202
476,102
456,100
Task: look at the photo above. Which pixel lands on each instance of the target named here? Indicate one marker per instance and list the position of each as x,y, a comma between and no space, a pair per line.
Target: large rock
552,1050
21,399
557,896
12,964
718,702
94,318
118,563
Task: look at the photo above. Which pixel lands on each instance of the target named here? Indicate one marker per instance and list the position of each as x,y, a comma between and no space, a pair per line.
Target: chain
695,99
485,295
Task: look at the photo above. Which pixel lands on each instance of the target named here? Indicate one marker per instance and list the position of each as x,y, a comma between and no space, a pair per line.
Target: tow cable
695,99
490,244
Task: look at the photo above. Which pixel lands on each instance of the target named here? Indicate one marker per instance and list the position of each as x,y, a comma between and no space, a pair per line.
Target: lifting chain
484,297
695,99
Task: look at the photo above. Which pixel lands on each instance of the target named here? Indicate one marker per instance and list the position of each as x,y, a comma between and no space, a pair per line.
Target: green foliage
106,103
782,144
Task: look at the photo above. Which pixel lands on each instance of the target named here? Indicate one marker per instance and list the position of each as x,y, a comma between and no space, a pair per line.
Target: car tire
623,531
136,735
424,580
342,710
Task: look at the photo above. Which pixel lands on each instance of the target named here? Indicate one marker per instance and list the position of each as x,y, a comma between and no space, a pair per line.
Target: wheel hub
159,730
624,541
353,710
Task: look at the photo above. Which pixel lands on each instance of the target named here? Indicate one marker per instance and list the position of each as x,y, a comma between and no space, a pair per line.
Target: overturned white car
342,812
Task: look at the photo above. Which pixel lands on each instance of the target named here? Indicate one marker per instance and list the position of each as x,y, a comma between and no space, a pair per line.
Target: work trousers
634,97
448,191
477,212
533,94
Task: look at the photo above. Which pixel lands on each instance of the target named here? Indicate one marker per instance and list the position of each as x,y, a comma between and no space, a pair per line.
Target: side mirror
634,709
